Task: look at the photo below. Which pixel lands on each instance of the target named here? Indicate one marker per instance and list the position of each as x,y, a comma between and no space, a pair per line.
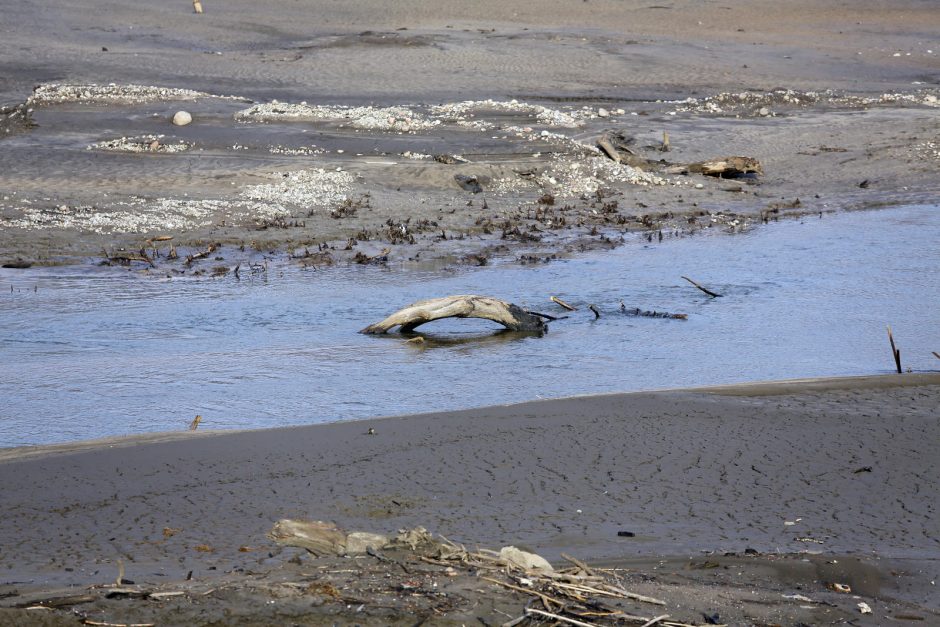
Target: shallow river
87,353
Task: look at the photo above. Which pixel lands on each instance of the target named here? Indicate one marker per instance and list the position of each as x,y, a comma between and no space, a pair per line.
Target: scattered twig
88,621
895,352
208,251
546,316
544,597
561,618
120,578
643,313
653,621
706,290
565,305
587,569
597,314
936,354
195,423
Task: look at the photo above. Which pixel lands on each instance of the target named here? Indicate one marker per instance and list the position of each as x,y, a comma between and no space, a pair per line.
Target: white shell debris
302,188
368,118
458,111
182,118
141,143
52,93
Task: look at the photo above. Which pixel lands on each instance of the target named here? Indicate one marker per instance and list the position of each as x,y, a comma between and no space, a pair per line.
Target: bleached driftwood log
510,316
726,166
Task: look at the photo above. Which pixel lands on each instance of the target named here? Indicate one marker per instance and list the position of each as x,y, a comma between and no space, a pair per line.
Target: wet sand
838,104
841,469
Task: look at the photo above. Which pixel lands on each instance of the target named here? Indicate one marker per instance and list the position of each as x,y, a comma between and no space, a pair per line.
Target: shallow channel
92,353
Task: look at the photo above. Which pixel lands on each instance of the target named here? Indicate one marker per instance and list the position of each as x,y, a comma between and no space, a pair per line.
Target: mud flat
716,501
331,135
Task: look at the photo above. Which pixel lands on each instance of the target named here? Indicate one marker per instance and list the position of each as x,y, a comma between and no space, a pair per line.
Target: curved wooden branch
510,316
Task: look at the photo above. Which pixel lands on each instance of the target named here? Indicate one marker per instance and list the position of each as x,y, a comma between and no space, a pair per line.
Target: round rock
182,118
603,113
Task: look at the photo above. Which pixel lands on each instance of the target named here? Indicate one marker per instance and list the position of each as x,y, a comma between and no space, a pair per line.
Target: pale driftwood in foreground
725,166
510,316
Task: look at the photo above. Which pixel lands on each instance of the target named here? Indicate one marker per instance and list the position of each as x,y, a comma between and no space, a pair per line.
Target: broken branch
706,290
565,305
895,352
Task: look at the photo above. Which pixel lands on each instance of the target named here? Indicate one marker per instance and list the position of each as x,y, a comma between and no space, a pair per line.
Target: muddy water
89,353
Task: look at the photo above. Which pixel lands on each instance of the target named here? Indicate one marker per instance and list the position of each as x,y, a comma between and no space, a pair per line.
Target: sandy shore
382,116
840,475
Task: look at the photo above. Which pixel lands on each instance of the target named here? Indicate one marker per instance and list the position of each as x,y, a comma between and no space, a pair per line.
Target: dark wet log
510,316
643,313
721,167
597,314
895,351
706,290
616,146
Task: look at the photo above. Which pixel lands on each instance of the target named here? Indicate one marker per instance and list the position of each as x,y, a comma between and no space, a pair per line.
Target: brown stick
195,423
559,301
558,617
895,352
544,597
587,569
197,6
597,314
936,354
706,290
208,251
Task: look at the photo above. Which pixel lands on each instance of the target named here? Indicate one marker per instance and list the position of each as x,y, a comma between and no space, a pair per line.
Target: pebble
764,111
603,113
699,186
182,118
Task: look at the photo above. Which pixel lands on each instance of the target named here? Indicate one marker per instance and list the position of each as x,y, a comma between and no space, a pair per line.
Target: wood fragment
706,290
936,354
559,617
563,304
208,251
587,569
97,623
195,423
120,578
643,313
197,6
665,146
510,316
612,591
721,167
653,621
61,601
544,597
597,314
895,352
634,596
515,621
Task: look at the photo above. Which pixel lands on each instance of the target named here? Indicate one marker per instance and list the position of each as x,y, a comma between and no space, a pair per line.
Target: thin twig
704,289
653,621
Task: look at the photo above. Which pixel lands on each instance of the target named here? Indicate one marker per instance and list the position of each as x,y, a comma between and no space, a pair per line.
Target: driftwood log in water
510,316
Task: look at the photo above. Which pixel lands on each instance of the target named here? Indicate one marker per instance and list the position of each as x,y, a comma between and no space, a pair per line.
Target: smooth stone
182,118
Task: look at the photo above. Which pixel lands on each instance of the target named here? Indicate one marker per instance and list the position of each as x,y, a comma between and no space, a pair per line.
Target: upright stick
894,350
